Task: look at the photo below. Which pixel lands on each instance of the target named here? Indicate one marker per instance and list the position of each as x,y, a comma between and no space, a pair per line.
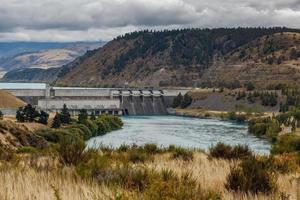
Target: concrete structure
109,100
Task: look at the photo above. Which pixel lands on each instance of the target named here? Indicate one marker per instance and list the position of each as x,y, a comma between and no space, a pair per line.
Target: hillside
47,58
189,57
9,101
266,62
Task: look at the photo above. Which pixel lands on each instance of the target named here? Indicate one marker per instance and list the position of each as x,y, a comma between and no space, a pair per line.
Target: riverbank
197,113
211,114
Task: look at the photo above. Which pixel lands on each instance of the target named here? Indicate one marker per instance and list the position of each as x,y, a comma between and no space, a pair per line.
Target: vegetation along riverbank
54,160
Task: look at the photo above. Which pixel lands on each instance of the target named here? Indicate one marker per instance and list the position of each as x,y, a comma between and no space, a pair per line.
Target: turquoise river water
181,131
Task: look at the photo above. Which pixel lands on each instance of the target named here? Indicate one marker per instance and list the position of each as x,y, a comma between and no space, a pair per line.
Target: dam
116,101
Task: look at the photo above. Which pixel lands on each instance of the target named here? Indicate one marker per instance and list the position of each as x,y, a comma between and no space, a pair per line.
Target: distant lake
22,85
181,131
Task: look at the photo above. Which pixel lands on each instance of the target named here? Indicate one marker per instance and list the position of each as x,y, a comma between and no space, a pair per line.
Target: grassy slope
9,101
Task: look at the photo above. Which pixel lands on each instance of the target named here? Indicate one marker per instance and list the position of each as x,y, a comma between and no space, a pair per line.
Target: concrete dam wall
144,105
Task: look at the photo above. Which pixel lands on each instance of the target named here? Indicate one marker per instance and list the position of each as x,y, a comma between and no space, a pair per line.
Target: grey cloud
104,19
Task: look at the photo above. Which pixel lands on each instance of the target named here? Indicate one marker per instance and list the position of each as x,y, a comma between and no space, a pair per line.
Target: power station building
116,101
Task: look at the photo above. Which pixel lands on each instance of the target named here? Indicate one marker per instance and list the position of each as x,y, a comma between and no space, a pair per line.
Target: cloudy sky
81,20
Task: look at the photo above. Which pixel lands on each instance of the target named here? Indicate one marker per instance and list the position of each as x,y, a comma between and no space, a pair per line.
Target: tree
28,113
43,118
83,116
187,101
65,116
177,101
249,86
19,115
56,121
1,115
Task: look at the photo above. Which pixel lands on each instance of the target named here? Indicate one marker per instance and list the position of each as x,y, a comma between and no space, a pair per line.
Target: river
181,131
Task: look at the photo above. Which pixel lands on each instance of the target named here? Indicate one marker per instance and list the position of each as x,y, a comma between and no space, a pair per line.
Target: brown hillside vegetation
7,100
219,58
13,135
266,61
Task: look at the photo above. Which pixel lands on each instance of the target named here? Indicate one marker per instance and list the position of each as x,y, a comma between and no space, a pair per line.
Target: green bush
93,165
264,127
151,148
181,153
123,148
286,144
27,149
136,156
50,135
85,132
92,126
71,147
222,150
253,175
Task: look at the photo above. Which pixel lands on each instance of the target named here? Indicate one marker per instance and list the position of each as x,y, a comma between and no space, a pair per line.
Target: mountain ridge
188,57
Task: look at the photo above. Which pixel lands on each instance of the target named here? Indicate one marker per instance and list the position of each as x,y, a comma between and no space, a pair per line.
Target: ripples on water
180,131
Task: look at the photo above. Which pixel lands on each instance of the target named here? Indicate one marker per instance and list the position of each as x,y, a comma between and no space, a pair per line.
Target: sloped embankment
7,100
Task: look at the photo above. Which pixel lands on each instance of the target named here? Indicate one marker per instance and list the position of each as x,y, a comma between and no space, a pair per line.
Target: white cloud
70,20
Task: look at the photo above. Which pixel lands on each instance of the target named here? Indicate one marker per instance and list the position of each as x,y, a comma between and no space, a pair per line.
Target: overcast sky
81,20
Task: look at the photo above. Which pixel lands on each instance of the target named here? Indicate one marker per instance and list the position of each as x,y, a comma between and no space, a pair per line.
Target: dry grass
28,184
7,100
212,173
44,178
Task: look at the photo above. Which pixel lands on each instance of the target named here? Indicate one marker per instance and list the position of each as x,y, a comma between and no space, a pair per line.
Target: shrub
167,186
136,156
71,147
123,148
286,144
92,126
252,175
50,134
181,153
132,178
151,148
222,150
84,130
93,165
27,149
264,127
241,118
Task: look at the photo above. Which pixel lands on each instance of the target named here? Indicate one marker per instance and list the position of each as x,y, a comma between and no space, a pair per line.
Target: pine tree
65,115
83,116
56,121
177,101
187,101
43,118
1,115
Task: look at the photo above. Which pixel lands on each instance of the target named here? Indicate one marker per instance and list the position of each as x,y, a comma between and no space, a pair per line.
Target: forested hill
186,57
